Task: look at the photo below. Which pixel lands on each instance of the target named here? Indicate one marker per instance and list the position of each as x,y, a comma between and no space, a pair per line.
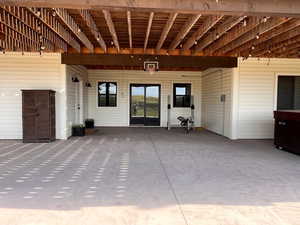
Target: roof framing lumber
184,31
254,34
111,28
219,32
89,21
291,24
208,24
167,28
148,29
232,35
129,28
289,8
66,18
52,23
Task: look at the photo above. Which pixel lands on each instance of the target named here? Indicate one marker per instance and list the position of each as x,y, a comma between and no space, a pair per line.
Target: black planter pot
78,131
89,124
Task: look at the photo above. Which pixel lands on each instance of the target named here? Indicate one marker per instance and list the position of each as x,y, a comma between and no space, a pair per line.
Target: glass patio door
145,104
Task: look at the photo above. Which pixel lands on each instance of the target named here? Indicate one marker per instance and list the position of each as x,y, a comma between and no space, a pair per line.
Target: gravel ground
148,176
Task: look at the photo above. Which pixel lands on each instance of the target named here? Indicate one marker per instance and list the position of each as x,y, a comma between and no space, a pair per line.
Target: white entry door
79,102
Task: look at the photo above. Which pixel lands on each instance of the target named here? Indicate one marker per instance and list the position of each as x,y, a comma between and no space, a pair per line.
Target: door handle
282,123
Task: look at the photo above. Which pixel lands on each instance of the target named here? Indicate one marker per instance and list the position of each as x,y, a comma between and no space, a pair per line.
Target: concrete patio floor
148,176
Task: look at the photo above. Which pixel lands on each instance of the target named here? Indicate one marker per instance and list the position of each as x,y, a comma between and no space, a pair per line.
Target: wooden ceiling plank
89,21
263,28
209,23
292,24
184,30
282,8
129,28
218,33
232,35
165,32
150,20
66,18
111,28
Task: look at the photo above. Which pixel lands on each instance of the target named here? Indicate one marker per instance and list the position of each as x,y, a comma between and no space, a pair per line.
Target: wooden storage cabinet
38,107
287,130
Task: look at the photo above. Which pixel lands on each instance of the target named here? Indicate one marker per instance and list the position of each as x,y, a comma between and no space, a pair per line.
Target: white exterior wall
73,91
217,115
119,116
257,93
29,71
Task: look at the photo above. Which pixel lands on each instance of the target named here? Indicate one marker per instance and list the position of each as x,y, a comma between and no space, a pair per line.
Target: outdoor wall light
88,84
75,79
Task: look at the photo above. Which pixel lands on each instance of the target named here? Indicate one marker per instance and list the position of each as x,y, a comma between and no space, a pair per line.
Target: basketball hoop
151,66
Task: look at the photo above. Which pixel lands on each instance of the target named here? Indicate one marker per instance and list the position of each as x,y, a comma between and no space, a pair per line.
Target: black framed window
288,96
182,95
107,94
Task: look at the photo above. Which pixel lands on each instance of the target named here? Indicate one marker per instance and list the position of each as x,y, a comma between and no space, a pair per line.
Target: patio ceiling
204,28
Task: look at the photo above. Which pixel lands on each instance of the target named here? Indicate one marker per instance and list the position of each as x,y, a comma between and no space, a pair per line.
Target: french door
145,104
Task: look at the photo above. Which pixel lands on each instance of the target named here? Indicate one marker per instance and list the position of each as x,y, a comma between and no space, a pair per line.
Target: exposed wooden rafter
184,30
208,24
167,28
282,8
148,29
69,22
129,28
218,33
89,21
254,34
111,28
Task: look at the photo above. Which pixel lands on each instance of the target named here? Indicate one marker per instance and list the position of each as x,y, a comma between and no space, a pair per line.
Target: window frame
107,94
188,87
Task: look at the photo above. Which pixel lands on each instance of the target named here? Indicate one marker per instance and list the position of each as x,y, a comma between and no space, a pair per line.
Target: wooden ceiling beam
289,25
69,22
208,24
89,21
167,28
129,28
111,28
218,33
261,29
150,20
46,17
281,8
232,35
184,31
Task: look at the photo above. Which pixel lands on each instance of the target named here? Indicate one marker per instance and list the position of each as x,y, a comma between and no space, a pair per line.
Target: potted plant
89,123
78,130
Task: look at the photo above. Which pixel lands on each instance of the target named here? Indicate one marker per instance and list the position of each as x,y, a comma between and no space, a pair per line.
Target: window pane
288,93
102,88
179,101
112,88
180,91
102,100
112,100
187,101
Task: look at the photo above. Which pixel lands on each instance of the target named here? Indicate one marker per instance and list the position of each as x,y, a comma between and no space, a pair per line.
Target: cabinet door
29,116
43,115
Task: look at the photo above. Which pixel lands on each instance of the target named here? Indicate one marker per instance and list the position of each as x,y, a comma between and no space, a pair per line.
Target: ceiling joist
111,28
148,29
129,28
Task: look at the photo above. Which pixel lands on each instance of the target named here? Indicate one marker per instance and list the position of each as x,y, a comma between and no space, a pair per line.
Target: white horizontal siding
119,116
257,90
28,71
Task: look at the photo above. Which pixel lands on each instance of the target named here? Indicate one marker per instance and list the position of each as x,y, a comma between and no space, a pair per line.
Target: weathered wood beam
46,17
264,27
138,60
167,28
111,28
69,22
282,8
218,33
148,29
289,25
129,28
232,35
89,21
209,23
184,31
